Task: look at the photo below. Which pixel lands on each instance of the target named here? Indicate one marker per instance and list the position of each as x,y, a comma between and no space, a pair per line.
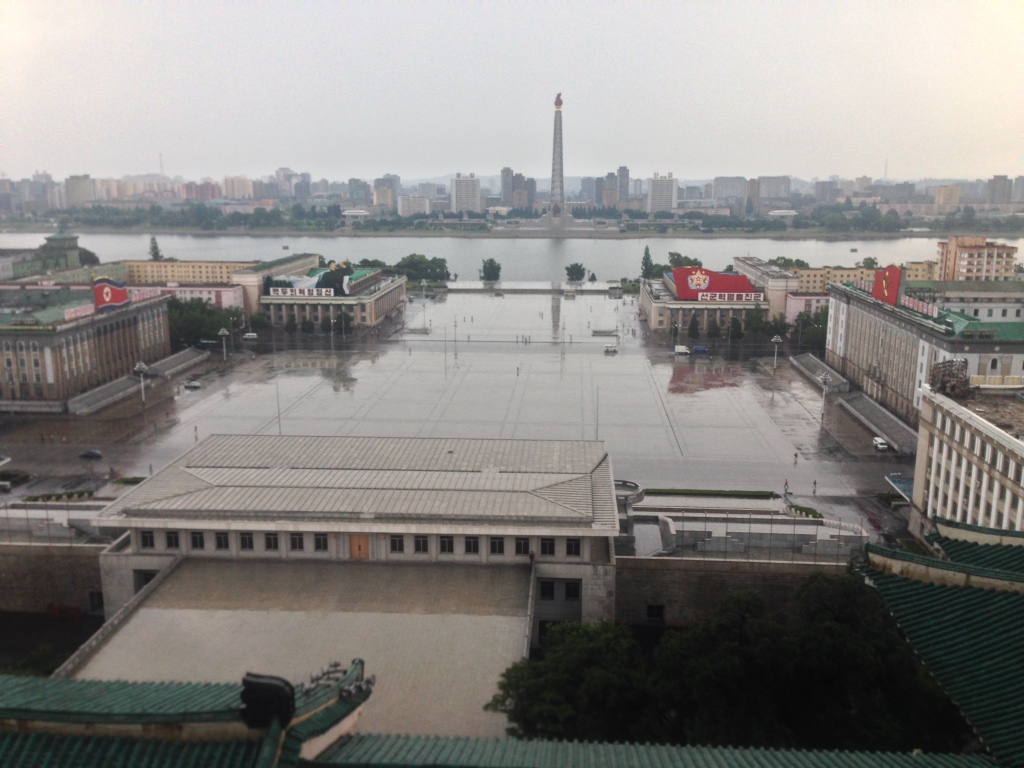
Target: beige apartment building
975,258
817,279
184,272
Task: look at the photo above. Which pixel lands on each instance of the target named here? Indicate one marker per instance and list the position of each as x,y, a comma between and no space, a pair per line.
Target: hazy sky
423,89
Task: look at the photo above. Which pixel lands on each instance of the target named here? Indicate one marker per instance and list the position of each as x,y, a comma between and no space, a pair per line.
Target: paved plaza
516,366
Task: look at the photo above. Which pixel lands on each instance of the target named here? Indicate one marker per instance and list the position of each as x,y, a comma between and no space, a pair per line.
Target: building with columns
970,461
670,302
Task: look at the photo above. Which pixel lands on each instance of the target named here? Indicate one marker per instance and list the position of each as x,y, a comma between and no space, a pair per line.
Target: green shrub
717,493
806,511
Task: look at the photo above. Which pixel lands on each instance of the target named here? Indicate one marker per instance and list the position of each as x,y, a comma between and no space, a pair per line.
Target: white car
193,385
880,444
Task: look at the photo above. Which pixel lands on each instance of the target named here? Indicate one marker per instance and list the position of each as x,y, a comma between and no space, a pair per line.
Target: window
270,542
989,313
146,540
245,541
320,542
421,545
472,545
95,601
398,544
975,313
994,364
497,545
197,540
447,545
656,615
220,539
171,540
572,591
572,547
522,546
1004,313
296,542
547,546
547,590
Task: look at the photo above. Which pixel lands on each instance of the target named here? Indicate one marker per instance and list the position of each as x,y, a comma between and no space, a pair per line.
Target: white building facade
466,194
662,193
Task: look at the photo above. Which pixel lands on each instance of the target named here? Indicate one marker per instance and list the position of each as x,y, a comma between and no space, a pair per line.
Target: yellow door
359,546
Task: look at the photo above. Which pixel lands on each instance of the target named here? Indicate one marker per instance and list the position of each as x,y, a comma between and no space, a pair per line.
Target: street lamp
776,340
423,298
825,380
224,333
141,368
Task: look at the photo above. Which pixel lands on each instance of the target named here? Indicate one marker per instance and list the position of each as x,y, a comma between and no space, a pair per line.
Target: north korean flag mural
887,285
108,295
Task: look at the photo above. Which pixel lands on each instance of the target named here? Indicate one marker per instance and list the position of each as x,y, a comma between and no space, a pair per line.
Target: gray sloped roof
413,480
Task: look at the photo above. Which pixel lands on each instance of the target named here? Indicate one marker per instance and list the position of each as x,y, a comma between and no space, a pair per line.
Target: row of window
471,545
222,541
572,590
297,543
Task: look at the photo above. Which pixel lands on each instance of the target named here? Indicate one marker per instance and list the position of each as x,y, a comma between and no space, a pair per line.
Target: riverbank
506,234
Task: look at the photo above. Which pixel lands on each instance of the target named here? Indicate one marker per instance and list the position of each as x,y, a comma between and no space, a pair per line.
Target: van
249,337
880,444
700,350
682,350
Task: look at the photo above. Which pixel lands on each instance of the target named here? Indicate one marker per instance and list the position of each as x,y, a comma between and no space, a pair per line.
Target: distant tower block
557,183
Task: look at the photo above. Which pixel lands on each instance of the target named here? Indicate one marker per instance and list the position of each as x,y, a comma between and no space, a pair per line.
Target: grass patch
128,480
718,493
806,511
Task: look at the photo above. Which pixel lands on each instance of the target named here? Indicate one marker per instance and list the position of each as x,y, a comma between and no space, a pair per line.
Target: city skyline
734,88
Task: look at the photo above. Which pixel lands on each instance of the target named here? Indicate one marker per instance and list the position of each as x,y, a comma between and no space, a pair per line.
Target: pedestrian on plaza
794,459
785,485
815,488
517,370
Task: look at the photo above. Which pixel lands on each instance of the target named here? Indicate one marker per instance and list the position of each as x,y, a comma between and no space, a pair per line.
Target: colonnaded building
56,345
670,302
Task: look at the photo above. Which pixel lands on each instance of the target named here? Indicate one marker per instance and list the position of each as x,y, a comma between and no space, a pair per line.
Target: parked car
880,444
249,336
193,385
91,454
611,349
700,350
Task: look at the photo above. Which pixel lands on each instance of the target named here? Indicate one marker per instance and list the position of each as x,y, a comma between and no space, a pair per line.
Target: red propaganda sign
109,295
887,285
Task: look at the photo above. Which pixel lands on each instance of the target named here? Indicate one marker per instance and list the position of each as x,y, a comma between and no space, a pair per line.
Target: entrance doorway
359,546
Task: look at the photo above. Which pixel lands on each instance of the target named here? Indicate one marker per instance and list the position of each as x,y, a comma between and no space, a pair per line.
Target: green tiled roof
439,752
980,528
966,286
970,569
970,639
95,701
34,750
992,556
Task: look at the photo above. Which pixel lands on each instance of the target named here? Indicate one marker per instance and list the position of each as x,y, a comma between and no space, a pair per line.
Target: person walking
814,488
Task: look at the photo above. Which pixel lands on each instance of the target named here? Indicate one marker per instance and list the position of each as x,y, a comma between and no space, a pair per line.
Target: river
521,259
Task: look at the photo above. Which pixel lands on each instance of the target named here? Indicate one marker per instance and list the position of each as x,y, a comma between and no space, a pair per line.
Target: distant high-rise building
384,197
662,193
520,198
638,188
388,181
623,174
427,189
975,258
729,188
302,189
465,194
531,191
587,188
238,188
825,191
557,182
79,190
948,194
1018,190
599,184
753,195
610,197
412,205
999,190
861,183
709,191
693,193
507,176
774,187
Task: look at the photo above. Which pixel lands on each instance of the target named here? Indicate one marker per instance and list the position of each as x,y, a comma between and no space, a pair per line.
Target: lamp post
825,380
141,368
223,333
776,340
423,298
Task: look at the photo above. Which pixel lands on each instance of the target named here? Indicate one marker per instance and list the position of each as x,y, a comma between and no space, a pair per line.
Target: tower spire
557,182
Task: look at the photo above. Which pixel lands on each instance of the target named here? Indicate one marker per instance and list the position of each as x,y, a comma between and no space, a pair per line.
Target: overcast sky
424,89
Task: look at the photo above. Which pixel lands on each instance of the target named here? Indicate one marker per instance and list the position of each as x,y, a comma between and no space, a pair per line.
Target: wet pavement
517,366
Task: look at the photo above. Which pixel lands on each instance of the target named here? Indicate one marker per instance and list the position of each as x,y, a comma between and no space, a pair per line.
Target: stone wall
34,576
689,589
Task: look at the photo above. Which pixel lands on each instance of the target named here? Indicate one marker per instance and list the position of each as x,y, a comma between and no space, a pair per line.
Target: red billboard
887,285
699,284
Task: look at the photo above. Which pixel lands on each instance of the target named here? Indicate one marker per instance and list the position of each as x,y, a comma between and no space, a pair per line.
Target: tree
735,329
87,258
308,326
575,272
678,260
325,323
784,262
491,270
154,250
694,330
418,267
290,326
258,321
868,262
589,685
647,264
713,331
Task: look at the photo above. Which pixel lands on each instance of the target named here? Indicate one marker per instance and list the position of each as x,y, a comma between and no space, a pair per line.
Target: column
963,484
970,496
982,500
933,486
